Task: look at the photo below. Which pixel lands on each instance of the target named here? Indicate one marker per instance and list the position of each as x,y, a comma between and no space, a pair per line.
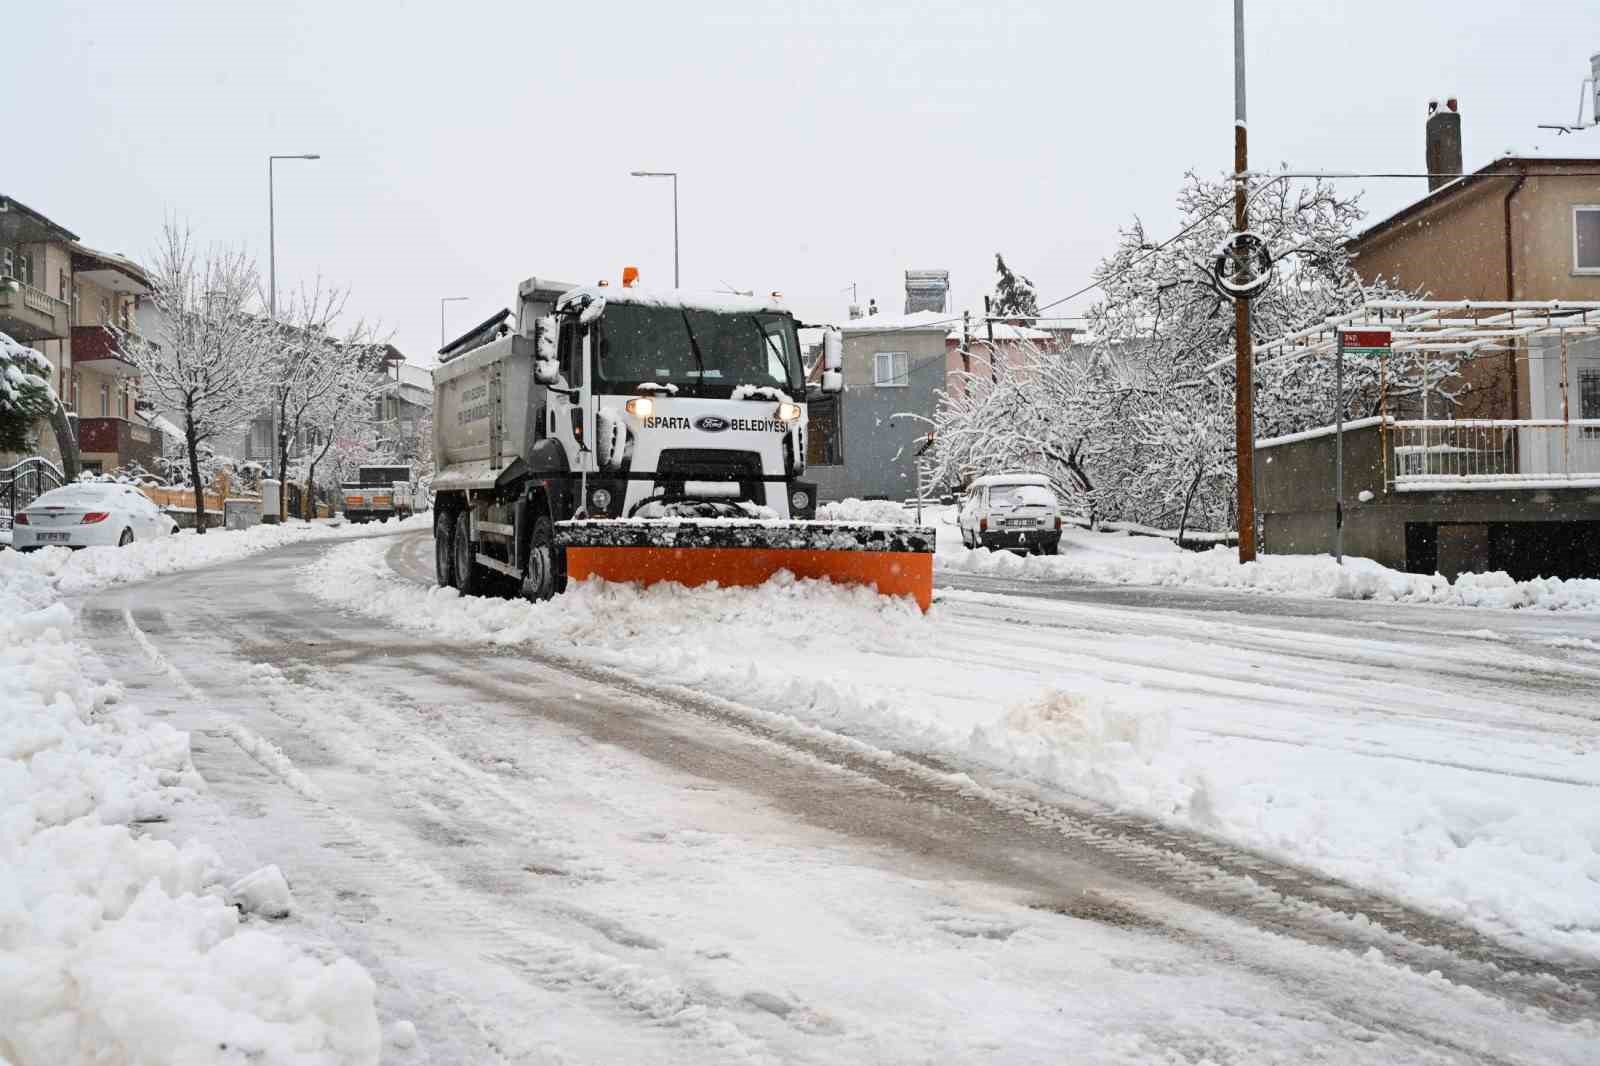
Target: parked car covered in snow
1017,512
89,514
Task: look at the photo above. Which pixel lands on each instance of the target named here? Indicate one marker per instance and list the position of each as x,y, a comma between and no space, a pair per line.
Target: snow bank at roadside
87,568
116,947
1053,701
1122,559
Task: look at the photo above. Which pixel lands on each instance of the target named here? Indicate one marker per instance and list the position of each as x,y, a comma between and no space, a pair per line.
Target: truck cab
665,399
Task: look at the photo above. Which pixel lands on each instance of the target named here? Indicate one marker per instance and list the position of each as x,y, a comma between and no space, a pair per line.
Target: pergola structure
1465,453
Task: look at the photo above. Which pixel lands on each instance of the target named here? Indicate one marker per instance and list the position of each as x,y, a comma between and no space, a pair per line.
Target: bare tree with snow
1140,425
207,354
320,380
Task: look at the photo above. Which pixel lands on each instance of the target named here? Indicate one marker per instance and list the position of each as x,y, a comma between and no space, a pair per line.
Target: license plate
1016,523
53,538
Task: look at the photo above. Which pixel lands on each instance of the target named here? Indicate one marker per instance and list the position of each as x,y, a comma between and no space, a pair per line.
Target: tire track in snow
555,965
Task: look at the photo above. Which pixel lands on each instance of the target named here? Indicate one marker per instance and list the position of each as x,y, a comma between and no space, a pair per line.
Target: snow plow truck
641,436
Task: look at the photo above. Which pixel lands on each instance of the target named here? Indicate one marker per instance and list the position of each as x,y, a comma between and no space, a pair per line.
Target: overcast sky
467,145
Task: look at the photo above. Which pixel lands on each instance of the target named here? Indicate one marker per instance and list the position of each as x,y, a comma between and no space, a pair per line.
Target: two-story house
1507,476
864,442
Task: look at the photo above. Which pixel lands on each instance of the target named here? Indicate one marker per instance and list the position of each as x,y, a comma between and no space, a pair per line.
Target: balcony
126,441
29,314
98,349
1494,454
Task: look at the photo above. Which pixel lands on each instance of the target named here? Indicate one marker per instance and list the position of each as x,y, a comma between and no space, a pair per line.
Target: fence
25,482
1494,452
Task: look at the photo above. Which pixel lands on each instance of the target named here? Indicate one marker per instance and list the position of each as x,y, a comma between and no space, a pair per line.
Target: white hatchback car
1017,512
87,514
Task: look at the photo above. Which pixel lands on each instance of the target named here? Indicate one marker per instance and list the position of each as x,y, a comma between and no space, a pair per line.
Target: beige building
58,296
1520,228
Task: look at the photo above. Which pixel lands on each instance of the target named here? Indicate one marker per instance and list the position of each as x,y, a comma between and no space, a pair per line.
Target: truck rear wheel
468,574
539,579
444,551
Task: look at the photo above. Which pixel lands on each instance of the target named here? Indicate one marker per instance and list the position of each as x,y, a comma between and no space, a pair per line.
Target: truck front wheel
468,574
444,550
539,580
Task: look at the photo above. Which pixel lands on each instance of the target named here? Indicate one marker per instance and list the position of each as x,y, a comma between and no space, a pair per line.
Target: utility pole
1244,388
988,321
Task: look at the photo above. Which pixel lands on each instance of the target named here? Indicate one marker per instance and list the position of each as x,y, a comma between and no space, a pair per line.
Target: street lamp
272,235
673,174
442,301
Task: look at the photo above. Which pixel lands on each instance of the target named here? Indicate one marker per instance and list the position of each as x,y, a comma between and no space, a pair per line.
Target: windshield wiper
699,360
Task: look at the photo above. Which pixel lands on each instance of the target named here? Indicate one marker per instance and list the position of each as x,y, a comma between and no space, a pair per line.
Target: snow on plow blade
896,560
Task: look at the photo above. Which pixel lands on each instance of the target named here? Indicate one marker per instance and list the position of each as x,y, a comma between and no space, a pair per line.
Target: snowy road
543,861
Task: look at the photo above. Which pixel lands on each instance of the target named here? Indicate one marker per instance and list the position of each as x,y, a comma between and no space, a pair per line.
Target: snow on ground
1119,557
1471,799
89,568
1129,560
114,946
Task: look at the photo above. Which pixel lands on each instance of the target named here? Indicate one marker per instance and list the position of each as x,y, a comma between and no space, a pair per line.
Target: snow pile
877,512
89,568
1121,559
116,947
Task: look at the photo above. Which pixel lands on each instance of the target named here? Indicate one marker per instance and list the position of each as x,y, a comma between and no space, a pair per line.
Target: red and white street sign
1365,338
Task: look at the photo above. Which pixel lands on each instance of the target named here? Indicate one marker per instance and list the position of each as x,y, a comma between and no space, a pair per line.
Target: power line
1268,181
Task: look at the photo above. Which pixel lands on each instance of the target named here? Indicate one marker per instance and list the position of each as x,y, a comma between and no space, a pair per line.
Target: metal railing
25,482
1466,453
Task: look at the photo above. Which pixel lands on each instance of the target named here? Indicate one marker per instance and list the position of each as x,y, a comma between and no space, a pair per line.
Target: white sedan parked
88,514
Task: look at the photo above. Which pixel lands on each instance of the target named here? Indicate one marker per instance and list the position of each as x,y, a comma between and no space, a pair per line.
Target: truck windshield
704,353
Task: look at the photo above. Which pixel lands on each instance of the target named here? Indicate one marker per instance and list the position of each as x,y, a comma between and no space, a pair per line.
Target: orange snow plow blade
896,560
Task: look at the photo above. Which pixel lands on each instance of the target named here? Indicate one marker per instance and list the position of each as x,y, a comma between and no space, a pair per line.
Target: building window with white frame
891,369
1586,239
1589,401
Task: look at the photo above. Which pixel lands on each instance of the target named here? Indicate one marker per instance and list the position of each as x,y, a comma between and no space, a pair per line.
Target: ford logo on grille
711,424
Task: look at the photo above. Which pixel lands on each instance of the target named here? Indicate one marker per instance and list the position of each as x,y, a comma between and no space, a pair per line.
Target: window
1586,239
122,402
891,369
17,263
824,438
61,284
1589,401
105,400
105,310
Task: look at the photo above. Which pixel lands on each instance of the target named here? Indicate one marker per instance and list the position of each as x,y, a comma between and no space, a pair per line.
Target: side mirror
832,381
832,352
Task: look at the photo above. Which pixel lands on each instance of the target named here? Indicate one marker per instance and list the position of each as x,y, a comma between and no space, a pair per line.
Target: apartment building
59,296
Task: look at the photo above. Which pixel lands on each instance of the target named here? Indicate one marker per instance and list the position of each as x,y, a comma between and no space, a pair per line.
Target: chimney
1444,142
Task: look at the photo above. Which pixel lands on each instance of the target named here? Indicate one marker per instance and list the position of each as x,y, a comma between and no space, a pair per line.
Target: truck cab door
569,416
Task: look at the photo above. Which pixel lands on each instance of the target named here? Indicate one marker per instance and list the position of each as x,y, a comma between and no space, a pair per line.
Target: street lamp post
673,174
442,301
272,235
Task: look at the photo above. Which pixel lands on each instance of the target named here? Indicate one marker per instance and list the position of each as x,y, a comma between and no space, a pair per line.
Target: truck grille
677,465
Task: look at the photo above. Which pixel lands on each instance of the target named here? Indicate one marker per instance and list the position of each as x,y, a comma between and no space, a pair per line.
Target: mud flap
896,560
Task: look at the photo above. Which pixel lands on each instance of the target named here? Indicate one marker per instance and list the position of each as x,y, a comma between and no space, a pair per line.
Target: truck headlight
641,407
799,499
600,500
788,412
